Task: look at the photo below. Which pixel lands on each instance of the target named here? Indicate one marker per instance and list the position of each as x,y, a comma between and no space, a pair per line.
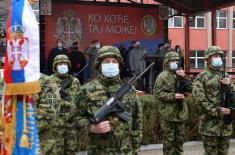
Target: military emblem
148,25
18,48
69,28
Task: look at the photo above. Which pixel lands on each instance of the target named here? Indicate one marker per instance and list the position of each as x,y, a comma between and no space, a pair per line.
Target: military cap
213,50
108,51
61,58
171,56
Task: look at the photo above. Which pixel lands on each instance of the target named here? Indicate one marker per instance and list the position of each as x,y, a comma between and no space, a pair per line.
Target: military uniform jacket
67,107
47,107
124,137
206,93
164,92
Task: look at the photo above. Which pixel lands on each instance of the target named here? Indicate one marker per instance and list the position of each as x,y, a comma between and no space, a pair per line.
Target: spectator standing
137,62
91,52
78,61
54,52
181,60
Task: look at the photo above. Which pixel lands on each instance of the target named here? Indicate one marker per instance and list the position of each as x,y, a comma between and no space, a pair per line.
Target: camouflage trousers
215,145
173,133
48,147
111,147
66,141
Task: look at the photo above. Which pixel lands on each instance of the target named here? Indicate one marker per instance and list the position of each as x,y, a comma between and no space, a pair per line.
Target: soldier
47,108
112,136
68,88
206,92
172,115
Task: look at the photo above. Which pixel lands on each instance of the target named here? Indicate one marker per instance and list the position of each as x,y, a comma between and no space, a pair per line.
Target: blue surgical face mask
97,46
216,62
110,69
62,69
173,65
59,45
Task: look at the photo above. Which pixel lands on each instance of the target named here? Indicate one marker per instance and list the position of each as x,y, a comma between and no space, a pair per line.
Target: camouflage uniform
172,119
124,137
206,92
47,108
66,136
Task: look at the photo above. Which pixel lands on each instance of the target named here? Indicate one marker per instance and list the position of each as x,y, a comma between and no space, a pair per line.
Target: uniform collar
109,81
214,71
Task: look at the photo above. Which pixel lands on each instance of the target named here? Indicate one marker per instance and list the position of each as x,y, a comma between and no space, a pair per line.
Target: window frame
196,58
233,58
218,18
172,12
196,22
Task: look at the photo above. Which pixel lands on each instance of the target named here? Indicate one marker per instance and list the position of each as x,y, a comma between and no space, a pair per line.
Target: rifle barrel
143,72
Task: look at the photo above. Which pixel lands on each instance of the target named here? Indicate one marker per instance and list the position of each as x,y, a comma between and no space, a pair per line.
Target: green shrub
152,133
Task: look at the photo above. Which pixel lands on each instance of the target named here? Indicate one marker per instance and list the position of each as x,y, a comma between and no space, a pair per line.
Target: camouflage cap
108,51
61,58
171,56
213,50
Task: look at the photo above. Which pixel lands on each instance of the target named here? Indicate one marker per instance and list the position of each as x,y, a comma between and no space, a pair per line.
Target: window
234,19
221,19
197,59
176,21
198,21
233,59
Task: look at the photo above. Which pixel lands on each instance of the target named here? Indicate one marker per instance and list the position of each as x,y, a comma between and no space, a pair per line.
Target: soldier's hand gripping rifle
225,96
67,82
114,105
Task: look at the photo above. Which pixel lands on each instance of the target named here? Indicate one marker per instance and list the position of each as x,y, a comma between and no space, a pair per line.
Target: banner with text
111,25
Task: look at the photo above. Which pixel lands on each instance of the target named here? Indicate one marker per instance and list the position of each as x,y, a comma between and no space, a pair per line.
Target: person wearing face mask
214,130
91,53
112,135
172,117
59,49
67,140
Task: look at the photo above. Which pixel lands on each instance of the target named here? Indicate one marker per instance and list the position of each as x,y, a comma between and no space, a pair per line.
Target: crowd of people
68,104
72,107
135,60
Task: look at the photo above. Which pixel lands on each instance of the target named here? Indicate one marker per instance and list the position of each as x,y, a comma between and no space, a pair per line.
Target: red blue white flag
21,76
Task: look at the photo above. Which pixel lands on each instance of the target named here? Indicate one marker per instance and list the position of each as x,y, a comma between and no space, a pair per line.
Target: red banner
108,24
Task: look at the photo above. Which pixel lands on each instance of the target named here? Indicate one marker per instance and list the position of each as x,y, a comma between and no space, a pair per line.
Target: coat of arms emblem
18,48
69,28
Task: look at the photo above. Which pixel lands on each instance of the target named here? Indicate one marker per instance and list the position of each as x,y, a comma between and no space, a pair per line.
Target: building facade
201,35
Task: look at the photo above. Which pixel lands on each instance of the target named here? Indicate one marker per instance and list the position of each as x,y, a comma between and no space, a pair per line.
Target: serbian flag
21,81
21,68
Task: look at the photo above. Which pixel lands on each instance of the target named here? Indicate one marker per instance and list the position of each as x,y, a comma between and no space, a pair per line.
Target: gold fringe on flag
24,139
9,127
22,88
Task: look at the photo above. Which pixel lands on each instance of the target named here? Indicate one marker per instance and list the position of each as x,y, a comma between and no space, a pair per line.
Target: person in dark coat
179,51
78,61
54,52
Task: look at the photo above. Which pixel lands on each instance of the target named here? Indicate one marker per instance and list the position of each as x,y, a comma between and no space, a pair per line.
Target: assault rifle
114,105
67,82
225,96
181,87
